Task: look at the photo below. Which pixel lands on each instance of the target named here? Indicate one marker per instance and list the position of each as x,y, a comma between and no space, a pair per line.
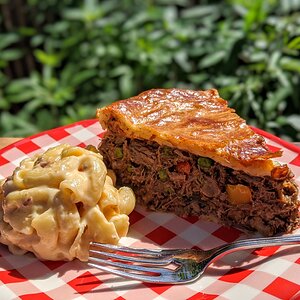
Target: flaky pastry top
196,121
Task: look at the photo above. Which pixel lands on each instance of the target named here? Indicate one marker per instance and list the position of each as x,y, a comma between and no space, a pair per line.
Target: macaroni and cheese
56,203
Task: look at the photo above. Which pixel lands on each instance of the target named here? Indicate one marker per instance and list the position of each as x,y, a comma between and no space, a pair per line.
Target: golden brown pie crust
196,121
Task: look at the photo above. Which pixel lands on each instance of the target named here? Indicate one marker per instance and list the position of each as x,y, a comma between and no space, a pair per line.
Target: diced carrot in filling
183,167
238,194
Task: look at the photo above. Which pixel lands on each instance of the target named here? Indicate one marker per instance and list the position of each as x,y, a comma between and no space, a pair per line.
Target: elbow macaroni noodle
57,202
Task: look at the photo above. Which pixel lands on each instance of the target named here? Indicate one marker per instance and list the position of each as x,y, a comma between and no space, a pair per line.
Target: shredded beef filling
171,180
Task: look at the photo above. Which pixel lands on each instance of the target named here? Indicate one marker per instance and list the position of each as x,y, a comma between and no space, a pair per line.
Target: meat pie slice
187,152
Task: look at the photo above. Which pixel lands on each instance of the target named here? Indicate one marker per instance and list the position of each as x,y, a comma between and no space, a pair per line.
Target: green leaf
126,86
255,15
294,120
200,11
18,86
52,60
294,43
212,59
83,76
33,105
11,54
7,39
37,40
58,27
62,96
43,120
274,99
136,21
198,78
120,70
4,104
16,125
27,31
290,64
75,14
182,59
25,96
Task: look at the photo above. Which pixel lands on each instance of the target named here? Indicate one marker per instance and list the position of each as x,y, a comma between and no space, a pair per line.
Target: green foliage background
90,53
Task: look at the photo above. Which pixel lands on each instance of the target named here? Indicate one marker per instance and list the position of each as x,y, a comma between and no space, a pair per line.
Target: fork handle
268,241
255,243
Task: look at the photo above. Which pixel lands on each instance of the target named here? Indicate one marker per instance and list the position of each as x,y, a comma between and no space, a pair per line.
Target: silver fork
170,266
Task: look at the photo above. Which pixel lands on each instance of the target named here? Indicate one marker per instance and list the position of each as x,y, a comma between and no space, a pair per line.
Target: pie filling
170,180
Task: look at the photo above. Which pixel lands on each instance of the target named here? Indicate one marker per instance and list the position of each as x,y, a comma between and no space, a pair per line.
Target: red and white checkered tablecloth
267,273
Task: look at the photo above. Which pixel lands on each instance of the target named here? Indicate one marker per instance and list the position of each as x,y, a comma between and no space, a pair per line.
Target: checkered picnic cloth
249,274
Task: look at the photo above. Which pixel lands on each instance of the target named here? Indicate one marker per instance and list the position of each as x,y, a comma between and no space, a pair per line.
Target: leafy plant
90,53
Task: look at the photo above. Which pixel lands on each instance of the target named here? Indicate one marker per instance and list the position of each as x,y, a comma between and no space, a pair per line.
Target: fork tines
122,261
